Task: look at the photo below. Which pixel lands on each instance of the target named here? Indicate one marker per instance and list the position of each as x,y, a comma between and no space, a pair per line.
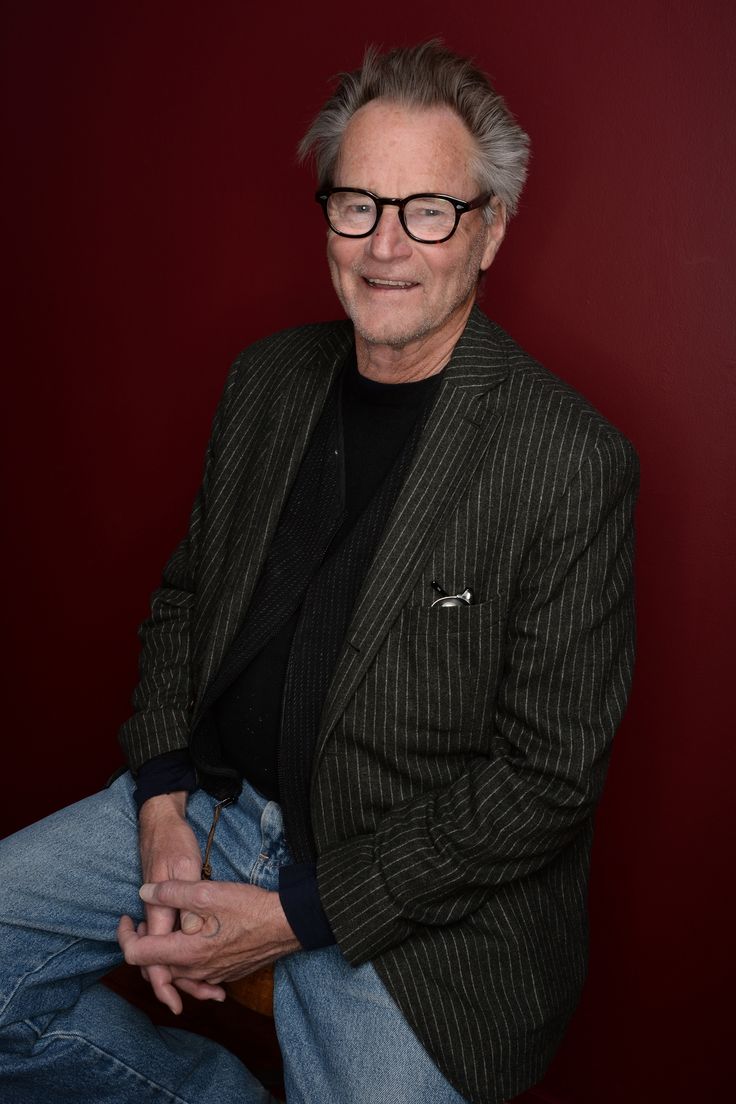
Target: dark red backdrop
148,151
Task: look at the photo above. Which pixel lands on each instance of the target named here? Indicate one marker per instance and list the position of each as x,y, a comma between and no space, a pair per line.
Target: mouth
389,285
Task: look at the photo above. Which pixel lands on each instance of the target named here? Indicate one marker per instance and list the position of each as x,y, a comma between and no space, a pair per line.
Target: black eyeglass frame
460,207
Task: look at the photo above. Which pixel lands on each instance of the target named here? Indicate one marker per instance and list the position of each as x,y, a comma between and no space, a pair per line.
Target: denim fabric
64,883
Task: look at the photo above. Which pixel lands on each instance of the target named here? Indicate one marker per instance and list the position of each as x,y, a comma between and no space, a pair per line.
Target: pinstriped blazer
461,751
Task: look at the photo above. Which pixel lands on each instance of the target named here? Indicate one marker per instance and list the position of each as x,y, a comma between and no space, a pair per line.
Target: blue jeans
65,882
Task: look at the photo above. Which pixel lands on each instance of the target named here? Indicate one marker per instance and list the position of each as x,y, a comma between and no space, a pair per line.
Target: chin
393,339
390,331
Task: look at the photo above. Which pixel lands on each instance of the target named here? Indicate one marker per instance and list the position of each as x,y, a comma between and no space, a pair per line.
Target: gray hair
428,75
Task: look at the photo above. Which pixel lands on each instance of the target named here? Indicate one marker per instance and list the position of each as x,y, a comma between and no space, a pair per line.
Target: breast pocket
446,662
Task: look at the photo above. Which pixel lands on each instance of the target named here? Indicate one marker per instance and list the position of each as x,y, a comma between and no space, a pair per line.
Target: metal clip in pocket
446,599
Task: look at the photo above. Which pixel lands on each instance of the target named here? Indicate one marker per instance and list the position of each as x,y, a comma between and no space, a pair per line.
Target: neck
424,356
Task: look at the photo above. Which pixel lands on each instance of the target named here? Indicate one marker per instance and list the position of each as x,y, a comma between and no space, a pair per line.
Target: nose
389,239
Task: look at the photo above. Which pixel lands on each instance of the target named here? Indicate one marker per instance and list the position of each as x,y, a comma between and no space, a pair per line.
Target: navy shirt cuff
300,901
164,774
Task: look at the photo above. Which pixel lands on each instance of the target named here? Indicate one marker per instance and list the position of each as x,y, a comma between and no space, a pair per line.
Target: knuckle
182,868
202,896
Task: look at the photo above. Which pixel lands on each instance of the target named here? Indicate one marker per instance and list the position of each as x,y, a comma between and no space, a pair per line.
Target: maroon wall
148,151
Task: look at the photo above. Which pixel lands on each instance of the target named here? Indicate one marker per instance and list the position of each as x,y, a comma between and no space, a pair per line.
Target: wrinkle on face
396,151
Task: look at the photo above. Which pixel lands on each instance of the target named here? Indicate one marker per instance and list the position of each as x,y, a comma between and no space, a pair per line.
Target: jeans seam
78,1037
38,969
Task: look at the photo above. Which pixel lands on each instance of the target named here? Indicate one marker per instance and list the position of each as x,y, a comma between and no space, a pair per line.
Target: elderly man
379,680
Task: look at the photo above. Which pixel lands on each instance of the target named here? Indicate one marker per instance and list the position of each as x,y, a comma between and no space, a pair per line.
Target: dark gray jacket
462,751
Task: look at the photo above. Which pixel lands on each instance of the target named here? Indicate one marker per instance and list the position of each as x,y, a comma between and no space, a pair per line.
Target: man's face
396,151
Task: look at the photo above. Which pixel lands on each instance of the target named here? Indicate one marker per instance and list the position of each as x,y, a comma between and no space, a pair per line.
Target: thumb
190,923
149,893
173,894
194,900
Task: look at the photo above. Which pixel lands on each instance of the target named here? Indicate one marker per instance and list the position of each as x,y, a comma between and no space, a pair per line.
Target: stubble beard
423,326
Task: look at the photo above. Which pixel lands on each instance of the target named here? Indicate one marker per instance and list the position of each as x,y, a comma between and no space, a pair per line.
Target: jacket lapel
283,432
457,434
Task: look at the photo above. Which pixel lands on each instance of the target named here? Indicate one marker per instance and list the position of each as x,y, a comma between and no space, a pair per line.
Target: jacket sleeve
163,698
568,662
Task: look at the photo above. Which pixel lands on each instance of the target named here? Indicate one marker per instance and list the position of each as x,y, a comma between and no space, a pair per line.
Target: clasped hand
227,930
196,934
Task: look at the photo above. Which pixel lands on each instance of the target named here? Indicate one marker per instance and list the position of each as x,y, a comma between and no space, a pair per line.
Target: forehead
395,150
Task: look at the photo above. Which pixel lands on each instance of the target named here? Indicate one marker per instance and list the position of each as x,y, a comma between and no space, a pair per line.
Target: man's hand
244,928
169,849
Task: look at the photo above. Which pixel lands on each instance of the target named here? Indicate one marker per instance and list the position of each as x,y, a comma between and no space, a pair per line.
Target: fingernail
146,891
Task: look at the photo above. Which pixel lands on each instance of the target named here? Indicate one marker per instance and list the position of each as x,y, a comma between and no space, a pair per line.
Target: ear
495,231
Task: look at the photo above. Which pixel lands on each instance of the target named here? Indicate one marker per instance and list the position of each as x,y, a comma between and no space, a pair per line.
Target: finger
191,922
161,981
142,929
161,921
176,949
159,977
125,932
202,990
177,895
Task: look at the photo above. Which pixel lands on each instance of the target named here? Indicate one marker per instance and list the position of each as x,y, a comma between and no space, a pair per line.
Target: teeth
390,283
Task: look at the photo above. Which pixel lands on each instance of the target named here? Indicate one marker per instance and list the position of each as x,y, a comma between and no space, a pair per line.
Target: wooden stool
255,991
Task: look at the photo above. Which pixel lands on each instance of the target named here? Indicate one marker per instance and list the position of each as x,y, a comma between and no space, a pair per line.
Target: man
400,625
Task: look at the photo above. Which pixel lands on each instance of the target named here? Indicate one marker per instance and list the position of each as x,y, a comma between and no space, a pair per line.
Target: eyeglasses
427,217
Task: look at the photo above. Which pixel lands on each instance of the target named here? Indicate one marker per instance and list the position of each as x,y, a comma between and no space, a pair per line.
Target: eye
426,209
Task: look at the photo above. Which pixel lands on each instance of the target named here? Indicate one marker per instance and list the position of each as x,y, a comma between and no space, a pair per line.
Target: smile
392,285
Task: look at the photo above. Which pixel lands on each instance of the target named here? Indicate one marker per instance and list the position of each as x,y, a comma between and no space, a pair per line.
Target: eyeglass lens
426,217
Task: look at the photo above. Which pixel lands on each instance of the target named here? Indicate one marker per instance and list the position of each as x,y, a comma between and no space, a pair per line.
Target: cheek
445,267
445,276
341,255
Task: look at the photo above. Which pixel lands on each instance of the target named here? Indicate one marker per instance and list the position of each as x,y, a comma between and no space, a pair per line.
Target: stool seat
254,991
